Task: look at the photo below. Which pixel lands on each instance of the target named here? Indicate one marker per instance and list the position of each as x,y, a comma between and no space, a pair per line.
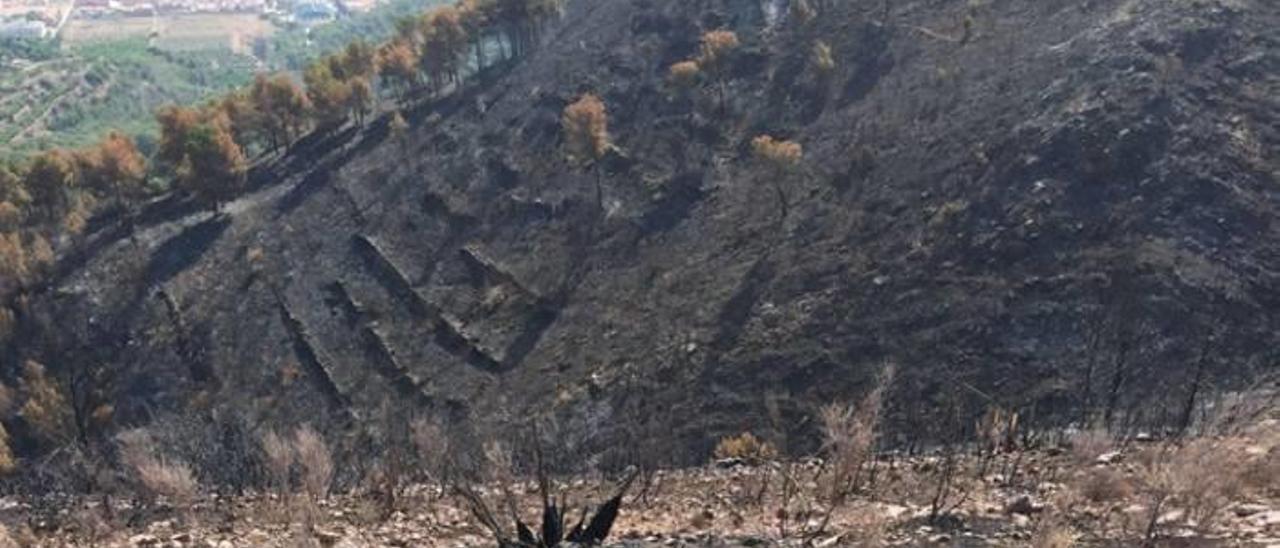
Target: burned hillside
1065,208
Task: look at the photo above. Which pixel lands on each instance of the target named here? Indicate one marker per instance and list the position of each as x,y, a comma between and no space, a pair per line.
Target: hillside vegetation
643,229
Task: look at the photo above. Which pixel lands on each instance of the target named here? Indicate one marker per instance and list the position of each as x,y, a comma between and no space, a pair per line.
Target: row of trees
204,150
50,196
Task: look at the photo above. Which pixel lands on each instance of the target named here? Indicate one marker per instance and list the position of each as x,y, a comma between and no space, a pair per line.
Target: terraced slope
1068,209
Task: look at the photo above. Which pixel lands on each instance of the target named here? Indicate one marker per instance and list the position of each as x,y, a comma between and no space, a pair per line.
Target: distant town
46,19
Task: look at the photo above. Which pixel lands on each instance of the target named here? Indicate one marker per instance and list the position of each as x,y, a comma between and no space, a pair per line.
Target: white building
22,28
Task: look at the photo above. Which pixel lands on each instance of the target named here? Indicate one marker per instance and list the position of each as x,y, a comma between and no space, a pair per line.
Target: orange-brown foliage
586,128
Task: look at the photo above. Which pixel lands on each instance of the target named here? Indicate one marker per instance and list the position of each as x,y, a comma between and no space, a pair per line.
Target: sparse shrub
998,429
7,461
778,154
1202,478
76,218
1088,445
1210,478
39,253
746,447
1054,535
314,460
399,130
159,476
801,12
822,60
46,409
279,460
849,435
1104,486
10,217
168,478
498,463
433,446
13,262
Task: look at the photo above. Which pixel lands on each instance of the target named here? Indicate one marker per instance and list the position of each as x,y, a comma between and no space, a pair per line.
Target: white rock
1248,509
143,540
827,543
1268,519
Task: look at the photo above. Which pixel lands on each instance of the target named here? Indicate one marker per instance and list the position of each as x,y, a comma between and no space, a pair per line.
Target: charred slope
1068,211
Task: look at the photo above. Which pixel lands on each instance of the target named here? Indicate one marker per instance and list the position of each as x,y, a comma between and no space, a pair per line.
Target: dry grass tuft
1054,535
279,460
169,478
746,447
433,446
1104,485
315,462
849,436
1088,445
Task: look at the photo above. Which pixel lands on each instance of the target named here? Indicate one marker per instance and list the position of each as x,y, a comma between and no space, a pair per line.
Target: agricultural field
235,32
77,95
112,73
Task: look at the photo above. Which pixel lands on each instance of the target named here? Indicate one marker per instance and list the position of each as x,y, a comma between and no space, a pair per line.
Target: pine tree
175,124
683,78
780,158
476,17
247,123
398,64
714,56
50,180
361,98
283,105
359,60
114,167
586,132
329,96
445,44
214,167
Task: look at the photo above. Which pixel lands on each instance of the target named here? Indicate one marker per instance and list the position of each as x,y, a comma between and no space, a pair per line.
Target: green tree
444,45
247,124
358,60
328,95
398,64
213,168
11,187
114,167
361,99
14,199
283,106
51,179
175,124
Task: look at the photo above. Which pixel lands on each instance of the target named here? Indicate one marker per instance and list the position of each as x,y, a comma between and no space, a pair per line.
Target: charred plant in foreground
553,532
